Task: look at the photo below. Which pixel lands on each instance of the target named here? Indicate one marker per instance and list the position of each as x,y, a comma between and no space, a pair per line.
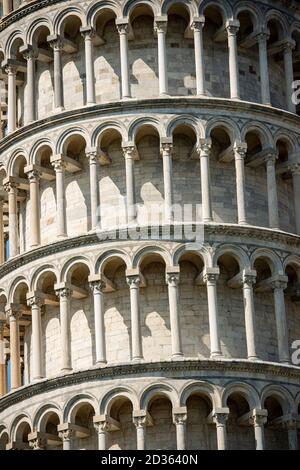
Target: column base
126,98
101,363
137,360
66,369
253,358
59,109
216,355
285,362
177,357
243,222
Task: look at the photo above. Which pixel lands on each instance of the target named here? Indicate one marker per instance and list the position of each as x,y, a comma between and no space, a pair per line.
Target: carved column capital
240,150
140,421
179,418
97,286
198,23
172,279
160,25
63,293
133,281
66,434
232,27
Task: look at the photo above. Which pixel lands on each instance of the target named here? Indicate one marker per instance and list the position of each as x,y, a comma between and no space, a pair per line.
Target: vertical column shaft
11,188
123,33
59,168
88,35
295,169
239,154
264,68
11,99
204,151
172,280
140,424
30,55
281,323
272,192
94,189
180,423
166,152
248,282
197,27
15,364
35,231
136,337
232,29
161,30
220,419
289,74
37,363
57,45
97,289
130,183
64,297
210,278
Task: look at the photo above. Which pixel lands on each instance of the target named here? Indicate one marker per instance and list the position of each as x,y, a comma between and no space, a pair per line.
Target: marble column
30,55
291,427
94,188
210,278
220,418
100,343
140,423
35,231
61,220
102,430
7,7
232,30
249,279
258,422
2,241
180,423
122,27
172,280
160,27
240,151
3,387
57,45
272,191
67,437
36,337
197,26
11,71
262,39
12,190
288,48
166,153
64,295
295,170
130,184
204,152
89,34
15,359
281,322
136,335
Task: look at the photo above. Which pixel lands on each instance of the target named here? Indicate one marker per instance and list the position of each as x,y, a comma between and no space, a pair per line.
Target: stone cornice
245,234
224,369
199,106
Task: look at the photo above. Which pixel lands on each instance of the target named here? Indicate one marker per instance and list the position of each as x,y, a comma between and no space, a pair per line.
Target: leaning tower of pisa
174,331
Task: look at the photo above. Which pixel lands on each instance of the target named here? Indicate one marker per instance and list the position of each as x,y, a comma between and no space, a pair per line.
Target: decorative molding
207,108
166,369
91,239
